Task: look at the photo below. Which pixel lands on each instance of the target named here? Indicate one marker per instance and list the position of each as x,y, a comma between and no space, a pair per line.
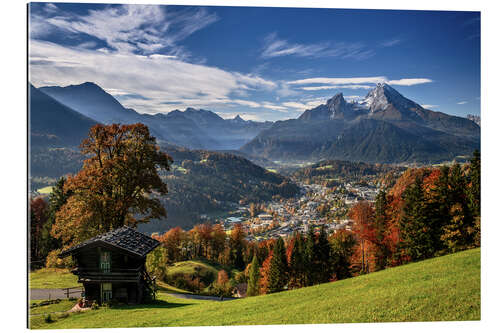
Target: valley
221,166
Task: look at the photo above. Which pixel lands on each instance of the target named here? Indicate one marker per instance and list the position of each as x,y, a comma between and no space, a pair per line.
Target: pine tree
278,269
458,233
323,258
297,265
416,237
309,269
253,277
474,196
342,244
474,190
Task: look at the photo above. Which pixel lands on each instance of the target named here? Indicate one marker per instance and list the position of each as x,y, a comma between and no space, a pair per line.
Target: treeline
302,260
429,212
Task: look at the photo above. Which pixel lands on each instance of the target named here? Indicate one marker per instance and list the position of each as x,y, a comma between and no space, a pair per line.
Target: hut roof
124,238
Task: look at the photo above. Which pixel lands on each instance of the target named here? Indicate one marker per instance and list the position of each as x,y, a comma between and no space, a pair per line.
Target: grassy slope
445,288
188,267
52,278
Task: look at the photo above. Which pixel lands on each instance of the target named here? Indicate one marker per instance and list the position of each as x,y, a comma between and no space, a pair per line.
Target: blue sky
261,63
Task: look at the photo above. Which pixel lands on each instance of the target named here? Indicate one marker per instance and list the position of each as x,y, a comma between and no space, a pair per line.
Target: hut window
106,292
105,262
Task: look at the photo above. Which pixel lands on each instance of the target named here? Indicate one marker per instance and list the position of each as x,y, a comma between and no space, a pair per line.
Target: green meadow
443,288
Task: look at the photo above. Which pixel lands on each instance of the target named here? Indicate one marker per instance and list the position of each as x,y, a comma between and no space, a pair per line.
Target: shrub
240,278
94,306
53,261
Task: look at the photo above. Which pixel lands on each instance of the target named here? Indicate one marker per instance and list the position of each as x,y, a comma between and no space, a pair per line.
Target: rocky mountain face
191,128
383,127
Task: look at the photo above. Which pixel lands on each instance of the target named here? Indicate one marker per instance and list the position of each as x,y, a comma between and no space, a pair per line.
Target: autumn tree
156,263
362,214
236,246
253,278
264,275
382,251
116,185
38,219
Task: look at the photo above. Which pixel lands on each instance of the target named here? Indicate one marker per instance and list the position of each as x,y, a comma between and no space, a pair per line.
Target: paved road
212,298
36,294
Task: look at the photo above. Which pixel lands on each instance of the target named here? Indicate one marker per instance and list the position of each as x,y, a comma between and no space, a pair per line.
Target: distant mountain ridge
55,124
192,128
383,127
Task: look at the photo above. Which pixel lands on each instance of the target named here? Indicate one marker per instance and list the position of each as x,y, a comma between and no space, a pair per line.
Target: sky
260,63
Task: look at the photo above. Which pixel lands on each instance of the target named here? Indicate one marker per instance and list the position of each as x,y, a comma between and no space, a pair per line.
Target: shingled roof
124,238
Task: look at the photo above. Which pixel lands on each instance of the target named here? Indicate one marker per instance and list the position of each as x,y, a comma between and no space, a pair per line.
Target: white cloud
251,104
408,82
353,82
429,106
306,103
462,102
390,42
347,86
275,47
128,28
338,81
275,107
156,79
50,8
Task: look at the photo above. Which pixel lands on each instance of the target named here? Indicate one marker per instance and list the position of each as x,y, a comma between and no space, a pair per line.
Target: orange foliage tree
362,214
115,187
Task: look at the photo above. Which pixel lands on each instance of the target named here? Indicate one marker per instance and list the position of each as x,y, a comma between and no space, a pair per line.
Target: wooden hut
111,266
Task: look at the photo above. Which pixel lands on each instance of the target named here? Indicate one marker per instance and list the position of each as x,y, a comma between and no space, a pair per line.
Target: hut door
106,292
105,262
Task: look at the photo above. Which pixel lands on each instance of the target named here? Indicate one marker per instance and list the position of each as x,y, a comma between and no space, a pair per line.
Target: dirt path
37,294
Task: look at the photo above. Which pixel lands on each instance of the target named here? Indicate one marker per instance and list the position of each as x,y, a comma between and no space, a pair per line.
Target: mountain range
53,123
384,127
191,128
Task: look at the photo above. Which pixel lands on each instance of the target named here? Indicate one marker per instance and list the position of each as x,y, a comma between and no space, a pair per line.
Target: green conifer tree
323,258
253,278
309,271
416,235
297,264
278,269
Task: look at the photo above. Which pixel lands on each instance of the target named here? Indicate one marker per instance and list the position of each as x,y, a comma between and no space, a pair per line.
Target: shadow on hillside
158,304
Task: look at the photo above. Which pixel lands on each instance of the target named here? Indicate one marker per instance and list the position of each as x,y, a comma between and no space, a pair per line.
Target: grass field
445,288
52,278
164,287
206,267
